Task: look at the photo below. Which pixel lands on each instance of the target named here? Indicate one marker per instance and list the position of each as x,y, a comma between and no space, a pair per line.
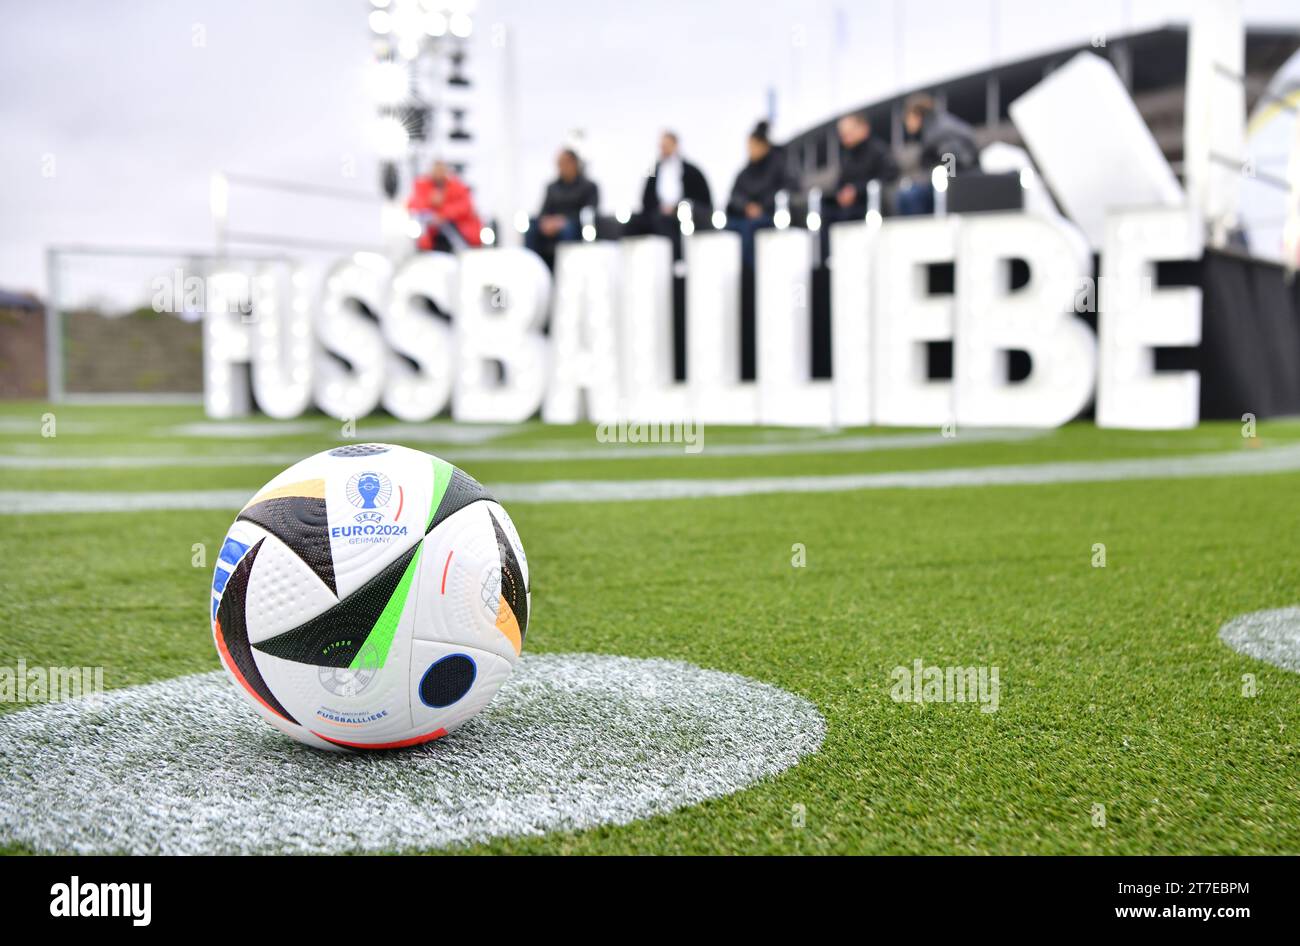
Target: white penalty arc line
572,741
1272,636
1238,463
538,454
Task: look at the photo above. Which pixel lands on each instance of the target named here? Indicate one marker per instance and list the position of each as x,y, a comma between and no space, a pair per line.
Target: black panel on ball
461,492
302,524
334,637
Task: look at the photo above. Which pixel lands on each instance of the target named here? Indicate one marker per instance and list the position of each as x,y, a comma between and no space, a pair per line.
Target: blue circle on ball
447,680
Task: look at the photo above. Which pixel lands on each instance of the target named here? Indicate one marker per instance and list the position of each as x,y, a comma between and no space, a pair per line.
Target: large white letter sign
282,344
713,330
1136,317
851,264
226,346
420,363
1122,166
352,356
783,292
584,348
650,393
1036,318
907,317
501,373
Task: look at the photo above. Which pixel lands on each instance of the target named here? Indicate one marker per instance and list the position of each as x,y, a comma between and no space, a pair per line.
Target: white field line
1271,636
450,432
572,741
1280,460
1238,463
32,425
240,430
530,454
855,444
144,462
19,503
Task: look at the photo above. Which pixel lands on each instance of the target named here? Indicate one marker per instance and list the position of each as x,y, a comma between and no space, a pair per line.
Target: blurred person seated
444,207
863,158
566,197
673,180
940,134
753,196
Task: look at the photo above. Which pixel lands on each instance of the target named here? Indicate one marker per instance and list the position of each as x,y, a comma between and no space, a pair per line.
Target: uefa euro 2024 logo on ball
379,635
369,491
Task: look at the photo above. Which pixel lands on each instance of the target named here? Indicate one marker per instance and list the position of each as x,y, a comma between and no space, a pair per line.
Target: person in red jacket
443,205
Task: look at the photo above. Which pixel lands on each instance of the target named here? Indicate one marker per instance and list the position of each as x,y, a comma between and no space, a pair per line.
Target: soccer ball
370,597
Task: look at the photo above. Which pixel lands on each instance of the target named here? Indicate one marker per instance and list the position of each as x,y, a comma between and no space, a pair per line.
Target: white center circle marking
1271,636
572,741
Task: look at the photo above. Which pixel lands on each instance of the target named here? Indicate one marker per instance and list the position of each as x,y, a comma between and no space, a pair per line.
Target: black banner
134,896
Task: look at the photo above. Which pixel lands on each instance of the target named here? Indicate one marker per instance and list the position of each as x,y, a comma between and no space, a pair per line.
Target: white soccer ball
370,597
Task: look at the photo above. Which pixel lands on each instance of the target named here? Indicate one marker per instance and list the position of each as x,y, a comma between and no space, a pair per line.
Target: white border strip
1238,463
534,454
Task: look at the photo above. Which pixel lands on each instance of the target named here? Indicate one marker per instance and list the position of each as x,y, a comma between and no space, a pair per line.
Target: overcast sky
114,114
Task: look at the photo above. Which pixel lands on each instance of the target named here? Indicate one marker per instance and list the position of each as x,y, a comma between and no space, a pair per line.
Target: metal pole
53,329
508,199
815,222
219,207
1291,229
992,101
873,200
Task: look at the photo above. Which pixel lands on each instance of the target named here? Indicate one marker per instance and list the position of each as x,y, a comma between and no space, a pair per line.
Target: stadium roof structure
1152,63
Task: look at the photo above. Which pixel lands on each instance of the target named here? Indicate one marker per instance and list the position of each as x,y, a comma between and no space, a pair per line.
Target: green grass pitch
1115,689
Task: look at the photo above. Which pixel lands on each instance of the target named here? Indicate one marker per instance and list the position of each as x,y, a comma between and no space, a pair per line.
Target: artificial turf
1115,689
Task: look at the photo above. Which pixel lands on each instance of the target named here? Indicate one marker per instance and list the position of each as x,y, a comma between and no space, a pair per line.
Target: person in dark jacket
946,141
560,217
753,196
863,158
673,180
